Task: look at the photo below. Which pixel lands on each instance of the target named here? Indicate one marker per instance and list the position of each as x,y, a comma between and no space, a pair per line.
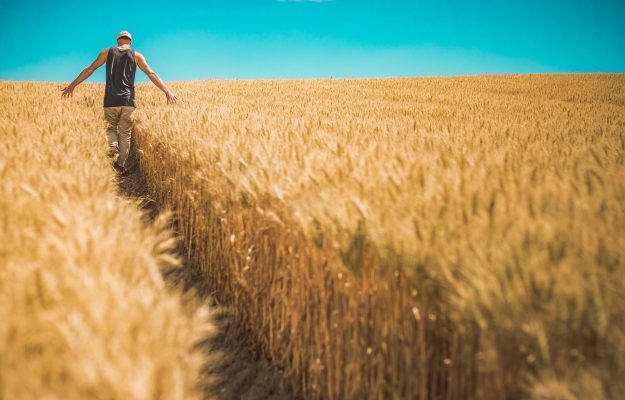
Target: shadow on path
239,372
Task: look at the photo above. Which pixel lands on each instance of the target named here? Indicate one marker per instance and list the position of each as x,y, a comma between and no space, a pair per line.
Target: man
119,95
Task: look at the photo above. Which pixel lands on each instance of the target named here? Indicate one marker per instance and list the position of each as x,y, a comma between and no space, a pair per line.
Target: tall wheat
85,313
407,238
399,238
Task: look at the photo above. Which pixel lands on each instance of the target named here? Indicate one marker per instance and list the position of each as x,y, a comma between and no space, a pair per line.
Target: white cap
124,34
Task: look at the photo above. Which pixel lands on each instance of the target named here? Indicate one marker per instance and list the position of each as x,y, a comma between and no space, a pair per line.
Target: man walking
119,95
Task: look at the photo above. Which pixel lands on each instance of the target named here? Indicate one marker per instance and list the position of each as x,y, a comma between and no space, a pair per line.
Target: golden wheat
85,313
399,238
407,238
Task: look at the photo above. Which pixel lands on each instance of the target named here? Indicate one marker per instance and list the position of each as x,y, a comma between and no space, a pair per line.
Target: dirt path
240,372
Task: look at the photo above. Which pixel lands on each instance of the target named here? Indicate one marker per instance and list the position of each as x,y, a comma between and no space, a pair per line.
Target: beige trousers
119,129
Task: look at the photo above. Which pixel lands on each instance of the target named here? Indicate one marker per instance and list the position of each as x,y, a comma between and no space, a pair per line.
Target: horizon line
342,77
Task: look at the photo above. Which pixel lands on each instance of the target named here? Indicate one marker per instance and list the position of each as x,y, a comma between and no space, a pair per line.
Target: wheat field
84,310
443,238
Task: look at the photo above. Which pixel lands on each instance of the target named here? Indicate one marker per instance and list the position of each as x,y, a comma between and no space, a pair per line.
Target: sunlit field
84,310
443,238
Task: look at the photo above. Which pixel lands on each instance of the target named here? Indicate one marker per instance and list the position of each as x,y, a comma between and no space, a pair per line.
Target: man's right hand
143,66
171,97
68,91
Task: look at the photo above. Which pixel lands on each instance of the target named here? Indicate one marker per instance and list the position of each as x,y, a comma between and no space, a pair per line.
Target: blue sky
54,40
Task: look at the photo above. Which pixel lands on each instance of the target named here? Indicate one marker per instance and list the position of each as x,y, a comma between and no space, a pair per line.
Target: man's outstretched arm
68,91
143,65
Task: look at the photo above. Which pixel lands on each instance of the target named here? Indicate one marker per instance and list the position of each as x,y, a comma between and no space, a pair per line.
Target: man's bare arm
68,91
143,65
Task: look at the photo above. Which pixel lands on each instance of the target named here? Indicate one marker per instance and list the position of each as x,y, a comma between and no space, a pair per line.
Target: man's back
121,64
120,77
119,95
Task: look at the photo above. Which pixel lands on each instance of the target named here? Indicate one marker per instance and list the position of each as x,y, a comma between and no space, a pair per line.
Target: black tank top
120,78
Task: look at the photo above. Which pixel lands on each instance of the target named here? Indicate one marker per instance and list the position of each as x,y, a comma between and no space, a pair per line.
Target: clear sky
54,40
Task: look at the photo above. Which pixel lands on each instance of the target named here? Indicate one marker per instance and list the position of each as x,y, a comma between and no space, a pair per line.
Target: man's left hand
68,91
